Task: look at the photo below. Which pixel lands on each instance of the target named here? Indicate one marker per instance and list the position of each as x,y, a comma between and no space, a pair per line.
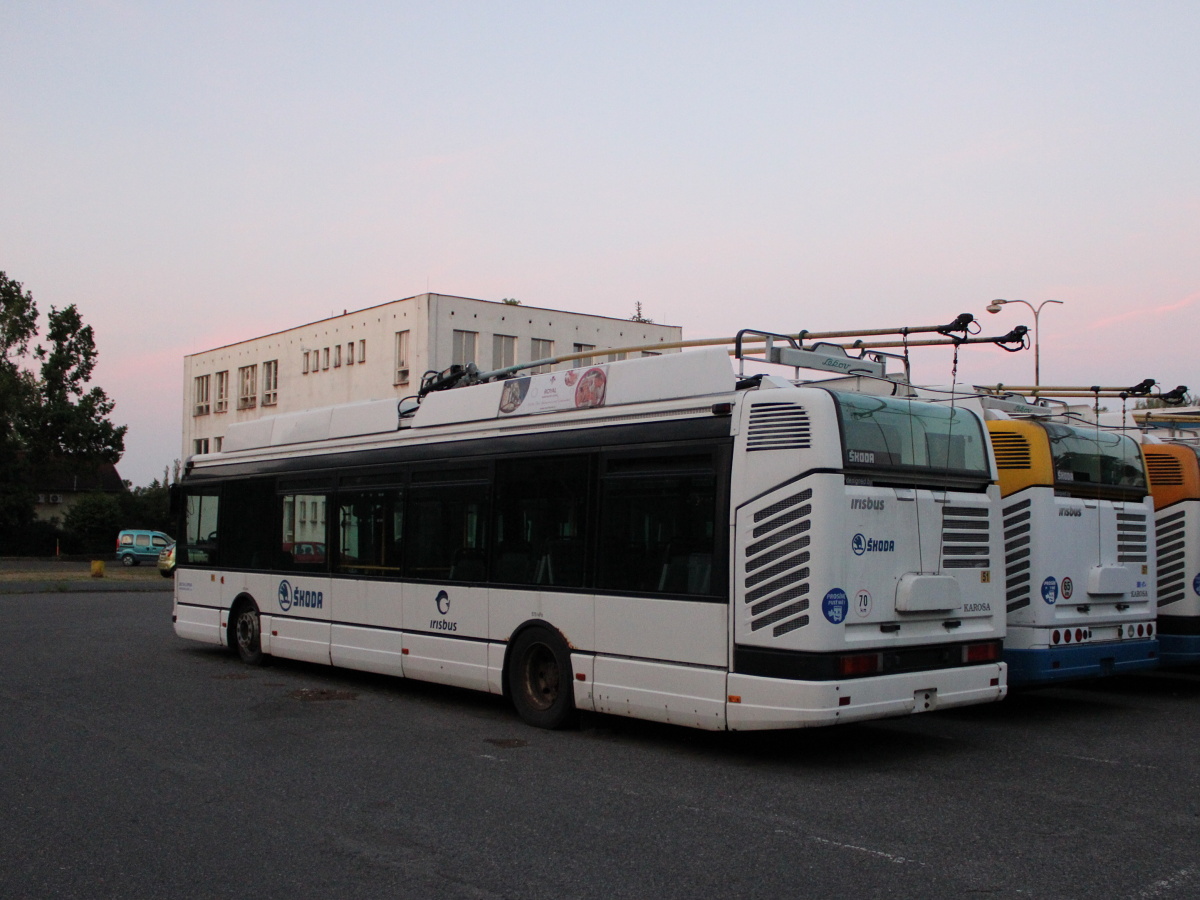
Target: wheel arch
242,599
525,626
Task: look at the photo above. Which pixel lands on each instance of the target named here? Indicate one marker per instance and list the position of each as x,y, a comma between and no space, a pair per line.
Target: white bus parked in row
656,538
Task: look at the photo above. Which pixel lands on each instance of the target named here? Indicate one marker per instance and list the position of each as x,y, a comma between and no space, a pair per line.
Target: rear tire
245,633
539,679
127,560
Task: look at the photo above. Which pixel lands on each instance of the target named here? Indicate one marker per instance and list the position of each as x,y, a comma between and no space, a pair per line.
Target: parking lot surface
136,764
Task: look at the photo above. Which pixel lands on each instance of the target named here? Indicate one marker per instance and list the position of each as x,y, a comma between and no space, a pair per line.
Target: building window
218,443
463,351
304,371
337,356
247,387
401,357
200,445
325,358
222,404
200,395
350,353
362,350
646,353
616,357
582,348
270,387
504,351
541,350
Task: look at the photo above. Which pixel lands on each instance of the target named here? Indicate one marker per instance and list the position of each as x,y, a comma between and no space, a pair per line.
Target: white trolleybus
654,538
1174,472
1079,561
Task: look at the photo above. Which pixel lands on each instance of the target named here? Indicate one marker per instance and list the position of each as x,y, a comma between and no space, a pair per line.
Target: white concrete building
382,352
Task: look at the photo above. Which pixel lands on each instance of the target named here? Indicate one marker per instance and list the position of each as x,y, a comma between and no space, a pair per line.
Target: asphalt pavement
137,764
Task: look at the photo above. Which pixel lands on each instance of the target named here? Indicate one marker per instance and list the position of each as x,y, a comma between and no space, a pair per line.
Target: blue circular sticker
1050,590
835,605
1196,584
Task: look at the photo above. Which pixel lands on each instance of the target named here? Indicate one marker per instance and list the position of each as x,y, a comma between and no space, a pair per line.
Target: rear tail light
1149,631
1057,636
858,664
978,653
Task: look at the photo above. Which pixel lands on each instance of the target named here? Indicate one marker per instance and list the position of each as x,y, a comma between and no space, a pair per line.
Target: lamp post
994,307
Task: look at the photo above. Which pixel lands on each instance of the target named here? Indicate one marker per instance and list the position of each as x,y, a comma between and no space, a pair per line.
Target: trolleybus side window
199,544
541,515
302,539
447,539
370,531
248,534
658,524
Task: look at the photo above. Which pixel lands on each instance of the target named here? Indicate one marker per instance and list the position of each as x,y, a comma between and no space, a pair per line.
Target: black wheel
127,560
539,679
244,633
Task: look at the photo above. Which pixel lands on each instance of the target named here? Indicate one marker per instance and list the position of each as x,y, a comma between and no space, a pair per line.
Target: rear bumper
1027,667
1179,649
783,703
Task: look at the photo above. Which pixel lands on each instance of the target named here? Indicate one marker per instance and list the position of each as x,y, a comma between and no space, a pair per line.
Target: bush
92,523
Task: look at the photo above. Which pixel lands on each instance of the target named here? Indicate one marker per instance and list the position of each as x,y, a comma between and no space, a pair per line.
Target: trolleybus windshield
899,434
1087,456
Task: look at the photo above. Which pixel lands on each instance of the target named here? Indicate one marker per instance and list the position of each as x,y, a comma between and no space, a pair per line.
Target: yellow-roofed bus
1174,475
1079,563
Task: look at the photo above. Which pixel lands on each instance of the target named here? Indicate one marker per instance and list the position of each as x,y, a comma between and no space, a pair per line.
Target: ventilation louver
1017,548
778,426
1172,574
966,537
776,565
1164,470
1132,542
1011,450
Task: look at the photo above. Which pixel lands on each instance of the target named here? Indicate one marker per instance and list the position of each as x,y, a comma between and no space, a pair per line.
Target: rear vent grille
778,426
1164,470
1131,538
776,566
1172,576
965,538
1011,450
1016,554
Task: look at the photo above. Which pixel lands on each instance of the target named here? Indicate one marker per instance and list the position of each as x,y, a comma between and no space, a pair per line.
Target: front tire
245,633
539,679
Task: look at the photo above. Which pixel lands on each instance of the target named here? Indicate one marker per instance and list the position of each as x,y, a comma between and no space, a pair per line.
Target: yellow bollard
97,568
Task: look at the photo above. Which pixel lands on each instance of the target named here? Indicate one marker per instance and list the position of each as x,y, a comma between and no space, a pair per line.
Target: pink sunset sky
192,174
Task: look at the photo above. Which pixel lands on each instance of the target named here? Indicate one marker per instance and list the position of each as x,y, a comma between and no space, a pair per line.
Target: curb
76,586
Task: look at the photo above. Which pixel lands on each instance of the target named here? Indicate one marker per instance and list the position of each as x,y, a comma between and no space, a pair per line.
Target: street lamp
994,307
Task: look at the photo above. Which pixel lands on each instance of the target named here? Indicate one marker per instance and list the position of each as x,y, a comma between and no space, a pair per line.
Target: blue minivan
135,547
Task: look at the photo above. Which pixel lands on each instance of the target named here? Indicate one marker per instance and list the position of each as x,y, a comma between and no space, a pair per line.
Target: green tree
18,326
69,423
51,420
